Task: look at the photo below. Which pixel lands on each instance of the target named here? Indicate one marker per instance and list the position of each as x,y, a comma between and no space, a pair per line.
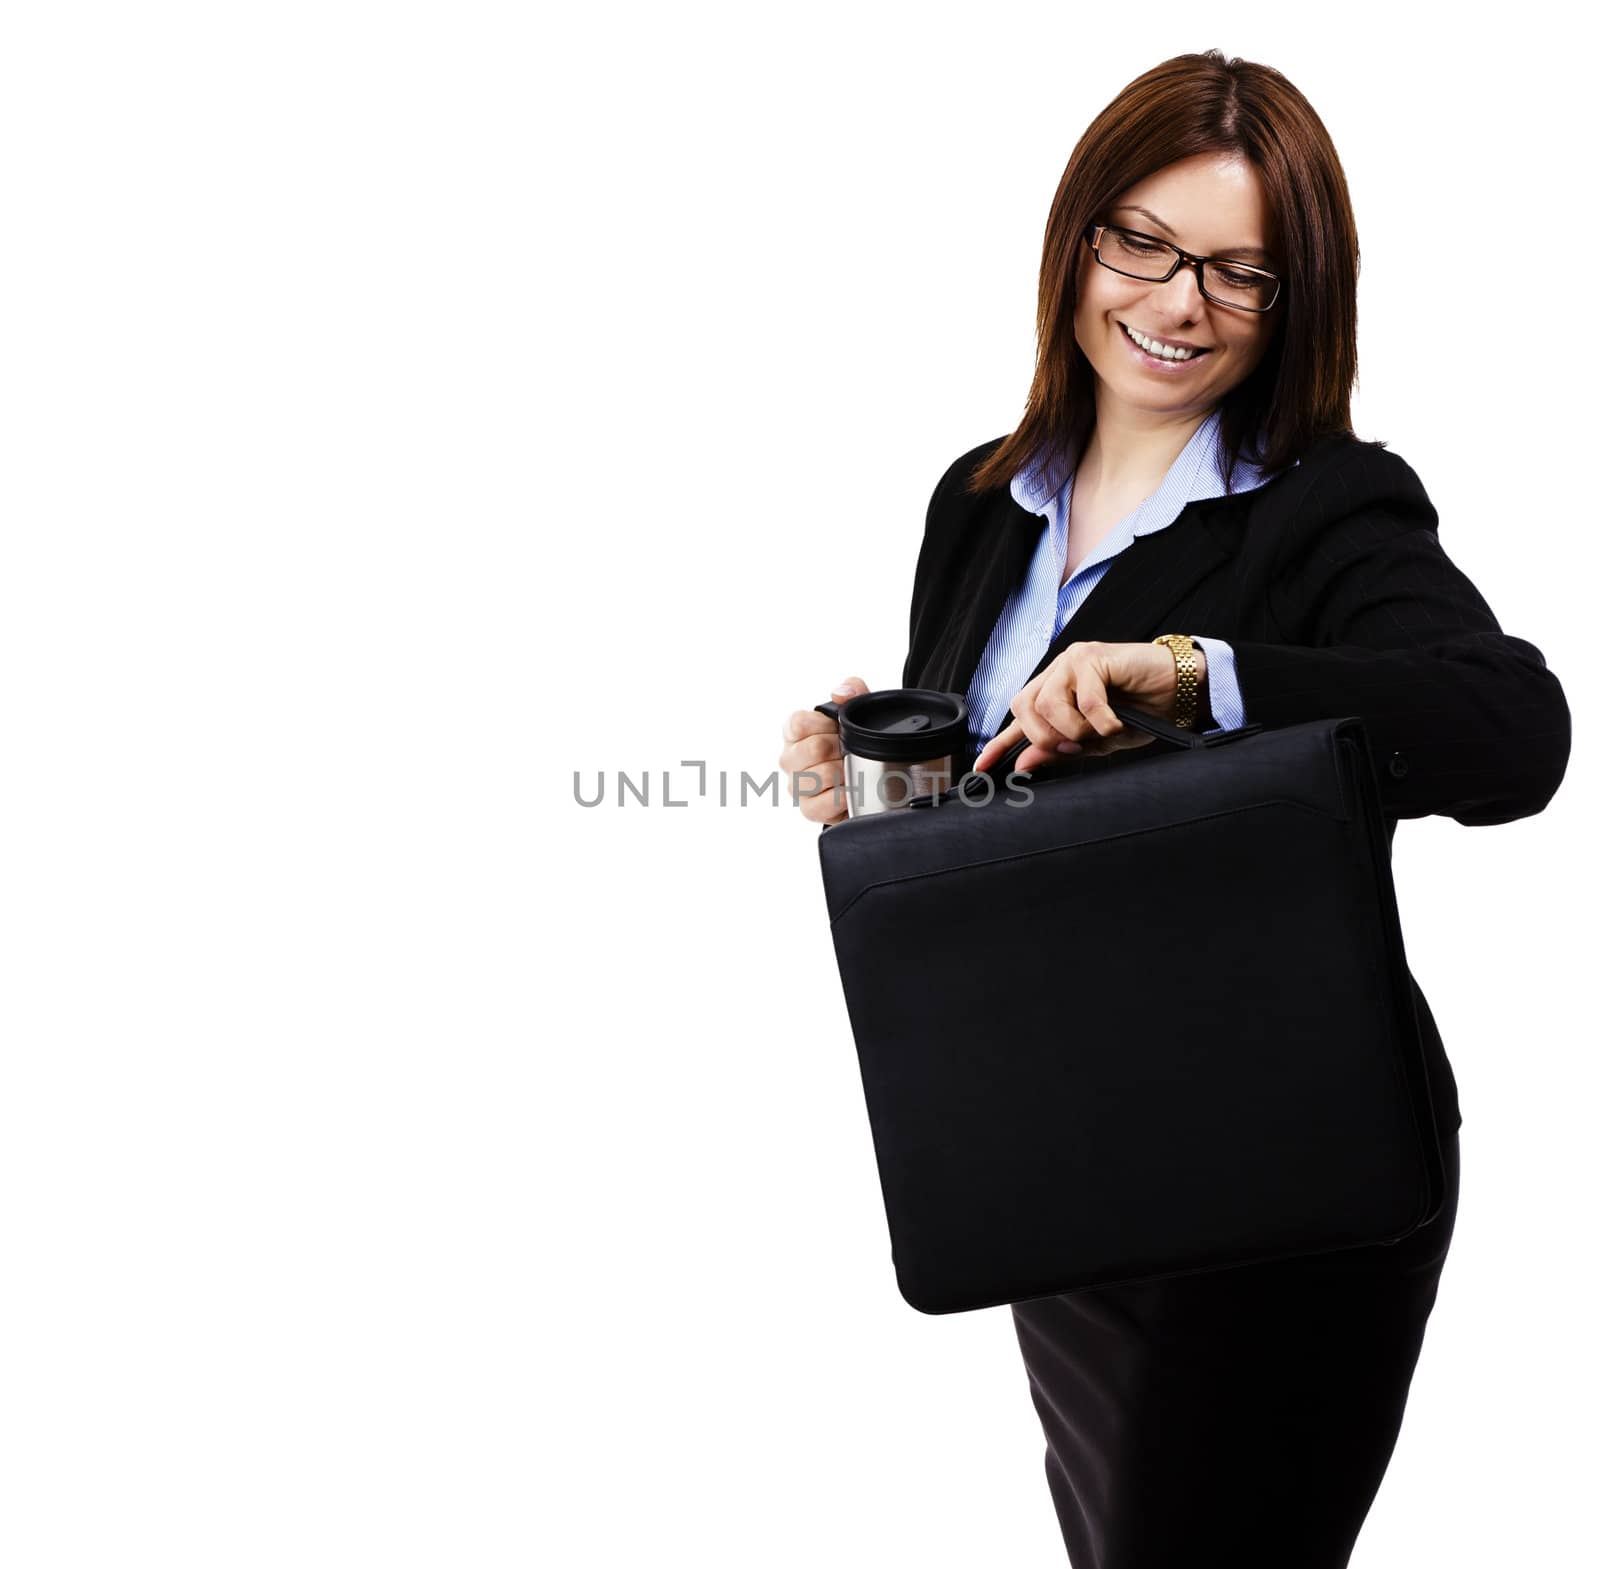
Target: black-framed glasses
1235,284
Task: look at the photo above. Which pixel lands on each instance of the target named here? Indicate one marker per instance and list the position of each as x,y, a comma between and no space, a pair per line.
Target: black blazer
1331,585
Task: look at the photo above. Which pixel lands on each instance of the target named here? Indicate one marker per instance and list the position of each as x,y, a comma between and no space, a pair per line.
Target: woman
1185,466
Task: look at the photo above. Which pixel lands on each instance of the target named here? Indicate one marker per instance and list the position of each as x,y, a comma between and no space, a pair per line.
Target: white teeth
1161,351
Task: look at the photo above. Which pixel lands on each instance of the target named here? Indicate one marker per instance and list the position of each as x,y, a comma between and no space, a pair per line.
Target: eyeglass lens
1231,285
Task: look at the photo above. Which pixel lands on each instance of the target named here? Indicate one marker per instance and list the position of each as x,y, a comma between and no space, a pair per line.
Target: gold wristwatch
1181,646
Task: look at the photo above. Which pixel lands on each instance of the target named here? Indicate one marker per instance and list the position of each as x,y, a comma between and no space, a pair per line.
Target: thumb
851,686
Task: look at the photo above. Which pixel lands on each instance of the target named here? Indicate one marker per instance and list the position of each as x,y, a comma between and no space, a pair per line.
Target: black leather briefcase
1136,1022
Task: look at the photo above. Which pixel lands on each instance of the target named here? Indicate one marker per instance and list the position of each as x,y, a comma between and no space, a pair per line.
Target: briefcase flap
1294,766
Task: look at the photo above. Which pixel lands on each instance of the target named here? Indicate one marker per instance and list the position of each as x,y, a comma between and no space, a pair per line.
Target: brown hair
1206,103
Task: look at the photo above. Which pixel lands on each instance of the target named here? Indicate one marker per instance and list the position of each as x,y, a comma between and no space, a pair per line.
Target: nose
1182,290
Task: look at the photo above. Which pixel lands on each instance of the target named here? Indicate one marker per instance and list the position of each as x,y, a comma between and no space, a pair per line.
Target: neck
1130,450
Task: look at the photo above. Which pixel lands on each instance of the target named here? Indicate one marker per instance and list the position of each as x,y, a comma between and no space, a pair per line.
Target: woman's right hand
812,748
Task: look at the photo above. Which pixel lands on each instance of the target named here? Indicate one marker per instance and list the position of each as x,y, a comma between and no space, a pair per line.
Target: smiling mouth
1169,359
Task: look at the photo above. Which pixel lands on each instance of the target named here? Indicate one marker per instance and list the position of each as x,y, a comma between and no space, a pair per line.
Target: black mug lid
904,725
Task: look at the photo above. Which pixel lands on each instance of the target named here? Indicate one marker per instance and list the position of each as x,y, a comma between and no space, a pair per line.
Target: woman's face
1211,205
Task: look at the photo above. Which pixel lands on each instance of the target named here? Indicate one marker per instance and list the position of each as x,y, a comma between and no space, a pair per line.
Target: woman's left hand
1065,708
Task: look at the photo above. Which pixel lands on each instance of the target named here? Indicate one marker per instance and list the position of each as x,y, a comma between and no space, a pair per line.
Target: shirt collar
1196,475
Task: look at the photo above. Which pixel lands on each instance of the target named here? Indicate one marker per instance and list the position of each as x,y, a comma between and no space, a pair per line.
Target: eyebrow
1227,250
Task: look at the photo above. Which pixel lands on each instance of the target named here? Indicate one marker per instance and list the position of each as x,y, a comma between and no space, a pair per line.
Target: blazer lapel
987,584
1142,584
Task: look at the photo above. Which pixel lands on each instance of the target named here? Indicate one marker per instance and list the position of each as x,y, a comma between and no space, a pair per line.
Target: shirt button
1398,766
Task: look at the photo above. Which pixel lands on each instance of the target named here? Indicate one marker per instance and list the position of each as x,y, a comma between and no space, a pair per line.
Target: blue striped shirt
1041,605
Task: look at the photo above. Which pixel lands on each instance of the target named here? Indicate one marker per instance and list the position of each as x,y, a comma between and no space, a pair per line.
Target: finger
1093,703
821,810
1030,758
1057,707
1073,687
810,752
814,779
997,747
1037,725
1034,756
1047,740
819,793
807,721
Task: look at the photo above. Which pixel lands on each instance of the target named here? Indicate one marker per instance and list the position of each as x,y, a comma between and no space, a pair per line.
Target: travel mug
897,744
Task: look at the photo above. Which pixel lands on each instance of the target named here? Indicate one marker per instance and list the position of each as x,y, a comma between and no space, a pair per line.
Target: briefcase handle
1161,729
1167,731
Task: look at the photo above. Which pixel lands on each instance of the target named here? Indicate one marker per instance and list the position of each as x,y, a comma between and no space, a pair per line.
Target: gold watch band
1181,647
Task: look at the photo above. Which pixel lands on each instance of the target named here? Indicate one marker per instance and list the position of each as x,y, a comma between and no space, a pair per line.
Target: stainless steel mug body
873,785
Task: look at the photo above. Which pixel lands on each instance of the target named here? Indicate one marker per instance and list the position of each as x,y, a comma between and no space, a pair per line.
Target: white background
406,407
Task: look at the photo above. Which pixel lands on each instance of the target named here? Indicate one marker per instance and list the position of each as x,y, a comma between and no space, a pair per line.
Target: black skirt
1241,1418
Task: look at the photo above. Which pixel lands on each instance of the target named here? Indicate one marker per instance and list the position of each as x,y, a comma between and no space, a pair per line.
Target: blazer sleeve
1465,721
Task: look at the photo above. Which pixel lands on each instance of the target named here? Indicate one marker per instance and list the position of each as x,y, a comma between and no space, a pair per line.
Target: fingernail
1069,746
